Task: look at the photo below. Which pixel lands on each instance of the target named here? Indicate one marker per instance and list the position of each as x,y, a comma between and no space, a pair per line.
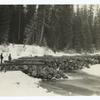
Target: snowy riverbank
20,50
28,50
93,70
16,83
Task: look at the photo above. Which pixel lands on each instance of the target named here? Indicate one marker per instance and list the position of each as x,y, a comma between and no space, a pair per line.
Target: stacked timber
49,67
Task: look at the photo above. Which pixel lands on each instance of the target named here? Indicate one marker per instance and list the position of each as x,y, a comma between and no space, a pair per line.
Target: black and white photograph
50,50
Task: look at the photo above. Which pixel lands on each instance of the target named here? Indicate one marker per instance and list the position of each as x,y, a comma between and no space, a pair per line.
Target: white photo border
46,2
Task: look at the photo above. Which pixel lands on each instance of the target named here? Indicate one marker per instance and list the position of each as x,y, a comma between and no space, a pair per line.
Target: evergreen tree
17,24
86,31
30,28
66,32
36,28
4,23
30,10
97,29
59,29
77,25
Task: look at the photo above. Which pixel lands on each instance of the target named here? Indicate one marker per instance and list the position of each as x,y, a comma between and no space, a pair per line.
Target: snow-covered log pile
49,67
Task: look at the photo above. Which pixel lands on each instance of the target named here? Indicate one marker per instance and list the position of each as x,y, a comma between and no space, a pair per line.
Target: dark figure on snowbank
1,57
9,58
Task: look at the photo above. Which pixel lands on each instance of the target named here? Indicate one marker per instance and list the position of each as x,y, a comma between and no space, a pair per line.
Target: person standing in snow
1,57
9,58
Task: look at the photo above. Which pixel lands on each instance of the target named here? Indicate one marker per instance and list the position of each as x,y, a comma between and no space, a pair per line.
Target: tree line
59,27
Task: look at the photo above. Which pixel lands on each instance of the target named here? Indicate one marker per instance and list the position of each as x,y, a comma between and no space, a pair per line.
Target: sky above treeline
95,6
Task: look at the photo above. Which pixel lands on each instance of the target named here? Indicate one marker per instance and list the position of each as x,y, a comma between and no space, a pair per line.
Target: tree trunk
42,30
19,27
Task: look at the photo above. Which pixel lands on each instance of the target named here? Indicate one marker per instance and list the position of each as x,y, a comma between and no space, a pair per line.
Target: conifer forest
59,27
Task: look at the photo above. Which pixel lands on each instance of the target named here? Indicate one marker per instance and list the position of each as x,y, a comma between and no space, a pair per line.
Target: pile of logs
49,67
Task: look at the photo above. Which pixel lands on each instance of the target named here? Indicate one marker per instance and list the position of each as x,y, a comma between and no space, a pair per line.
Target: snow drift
16,83
93,70
28,50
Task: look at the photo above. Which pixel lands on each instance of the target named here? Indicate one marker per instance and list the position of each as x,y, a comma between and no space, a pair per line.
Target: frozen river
81,84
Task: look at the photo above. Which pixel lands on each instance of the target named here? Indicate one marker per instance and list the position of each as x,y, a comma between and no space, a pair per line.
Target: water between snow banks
16,83
82,83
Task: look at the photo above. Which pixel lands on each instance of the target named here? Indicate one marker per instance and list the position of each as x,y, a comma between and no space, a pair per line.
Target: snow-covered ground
16,83
19,50
93,70
28,50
